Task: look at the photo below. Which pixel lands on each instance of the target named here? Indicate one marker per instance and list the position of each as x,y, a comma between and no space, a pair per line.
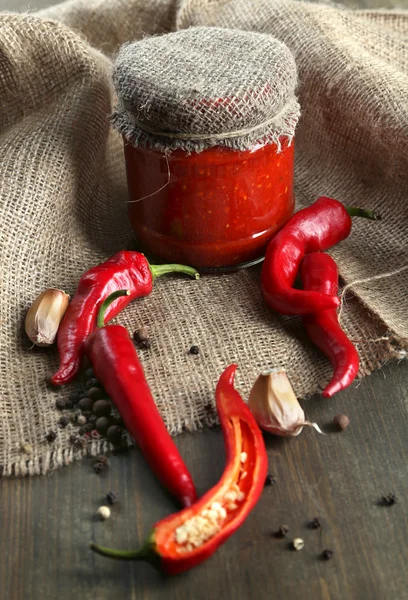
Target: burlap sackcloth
63,202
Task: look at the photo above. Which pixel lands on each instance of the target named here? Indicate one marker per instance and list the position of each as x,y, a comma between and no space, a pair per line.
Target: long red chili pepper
318,227
183,540
117,367
125,270
319,273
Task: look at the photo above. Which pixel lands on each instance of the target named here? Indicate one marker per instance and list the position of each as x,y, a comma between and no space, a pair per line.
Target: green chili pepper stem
158,270
353,211
100,322
146,552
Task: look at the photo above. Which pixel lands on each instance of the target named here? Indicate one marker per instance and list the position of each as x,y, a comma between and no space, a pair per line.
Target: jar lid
203,87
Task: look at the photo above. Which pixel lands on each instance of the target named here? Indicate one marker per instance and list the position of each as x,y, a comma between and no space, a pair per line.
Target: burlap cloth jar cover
205,87
63,203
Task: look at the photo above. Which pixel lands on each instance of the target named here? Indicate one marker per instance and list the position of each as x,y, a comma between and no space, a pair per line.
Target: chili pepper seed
298,544
103,512
51,436
194,350
327,554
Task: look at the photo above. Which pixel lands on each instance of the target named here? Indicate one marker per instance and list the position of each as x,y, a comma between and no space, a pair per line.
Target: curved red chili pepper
117,367
184,540
125,270
319,273
318,227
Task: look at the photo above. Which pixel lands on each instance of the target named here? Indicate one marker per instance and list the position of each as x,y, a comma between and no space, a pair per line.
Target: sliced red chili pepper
319,273
125,270
182,541
117,366
318,227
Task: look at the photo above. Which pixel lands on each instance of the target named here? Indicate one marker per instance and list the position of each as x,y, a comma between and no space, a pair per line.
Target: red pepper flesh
117,367
316,228
125,270
319,273
245,473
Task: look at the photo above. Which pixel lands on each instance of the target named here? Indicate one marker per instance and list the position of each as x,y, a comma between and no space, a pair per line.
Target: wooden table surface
46,523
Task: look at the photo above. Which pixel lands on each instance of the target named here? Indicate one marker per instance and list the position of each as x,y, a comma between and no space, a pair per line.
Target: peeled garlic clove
275,406
45,315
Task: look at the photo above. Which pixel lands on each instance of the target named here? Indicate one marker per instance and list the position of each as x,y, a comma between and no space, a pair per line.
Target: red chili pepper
125,270
319,273
183,540
117,367
318,227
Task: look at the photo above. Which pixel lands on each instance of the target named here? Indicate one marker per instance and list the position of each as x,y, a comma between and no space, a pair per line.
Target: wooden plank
46,523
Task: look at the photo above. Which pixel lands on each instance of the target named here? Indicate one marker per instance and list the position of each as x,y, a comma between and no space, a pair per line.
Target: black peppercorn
92,419
68,404
60,404
117,420
75,396
102,408
91,383
98,467
315,523
111,498
95,393
85,404
89,373
283,531
102,459
87,428
63,422
327,554
141,338
51,436
388,500
114,434
102,424
141,335
270,480
194,350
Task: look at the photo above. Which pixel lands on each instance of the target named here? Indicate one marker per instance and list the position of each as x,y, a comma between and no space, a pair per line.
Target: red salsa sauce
220,207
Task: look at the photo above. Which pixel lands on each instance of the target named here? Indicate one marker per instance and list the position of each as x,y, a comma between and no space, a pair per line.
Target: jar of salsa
209,165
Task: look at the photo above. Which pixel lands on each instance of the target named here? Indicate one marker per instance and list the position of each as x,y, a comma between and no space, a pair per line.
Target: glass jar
216,208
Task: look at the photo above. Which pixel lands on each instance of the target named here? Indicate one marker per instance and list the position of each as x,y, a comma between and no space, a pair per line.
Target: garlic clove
275,406
45,315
